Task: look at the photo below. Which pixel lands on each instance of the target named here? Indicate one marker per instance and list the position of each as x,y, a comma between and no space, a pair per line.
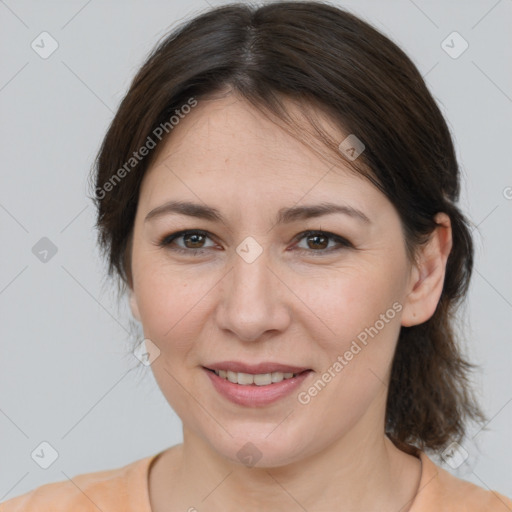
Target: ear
134,306
428,273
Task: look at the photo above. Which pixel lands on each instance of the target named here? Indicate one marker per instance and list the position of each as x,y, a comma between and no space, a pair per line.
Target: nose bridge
249,278
251,303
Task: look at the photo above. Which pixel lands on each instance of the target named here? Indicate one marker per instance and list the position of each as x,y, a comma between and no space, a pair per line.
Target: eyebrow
284,215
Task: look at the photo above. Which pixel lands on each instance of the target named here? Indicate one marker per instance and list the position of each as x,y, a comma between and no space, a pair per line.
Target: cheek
360,322
356,326
174,304
344,303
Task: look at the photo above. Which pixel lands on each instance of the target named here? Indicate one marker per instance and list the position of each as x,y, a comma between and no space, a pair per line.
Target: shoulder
107,490
441,491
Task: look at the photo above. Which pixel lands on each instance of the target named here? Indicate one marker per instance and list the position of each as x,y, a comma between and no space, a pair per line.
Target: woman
277,194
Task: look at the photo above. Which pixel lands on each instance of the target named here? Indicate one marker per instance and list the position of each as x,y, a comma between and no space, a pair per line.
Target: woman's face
255,290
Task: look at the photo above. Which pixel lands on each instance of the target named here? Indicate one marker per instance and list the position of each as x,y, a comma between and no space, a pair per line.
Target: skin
295,307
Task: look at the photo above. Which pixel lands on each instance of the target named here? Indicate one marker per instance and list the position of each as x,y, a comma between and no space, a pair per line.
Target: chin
264,447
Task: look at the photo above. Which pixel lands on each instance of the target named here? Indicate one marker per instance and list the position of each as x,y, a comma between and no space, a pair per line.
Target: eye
193,240
318,241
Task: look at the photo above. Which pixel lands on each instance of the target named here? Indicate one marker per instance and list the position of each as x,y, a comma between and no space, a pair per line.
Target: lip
264,367
256,396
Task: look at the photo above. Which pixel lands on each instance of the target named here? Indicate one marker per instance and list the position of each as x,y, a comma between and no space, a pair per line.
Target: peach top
125,489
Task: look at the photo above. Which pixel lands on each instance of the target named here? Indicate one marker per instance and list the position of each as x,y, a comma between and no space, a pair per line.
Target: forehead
231,130
227,150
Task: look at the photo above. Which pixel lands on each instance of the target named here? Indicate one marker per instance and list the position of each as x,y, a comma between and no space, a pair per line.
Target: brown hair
322,57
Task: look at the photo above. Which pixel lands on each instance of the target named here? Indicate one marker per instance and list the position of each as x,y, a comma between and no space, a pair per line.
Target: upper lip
265,367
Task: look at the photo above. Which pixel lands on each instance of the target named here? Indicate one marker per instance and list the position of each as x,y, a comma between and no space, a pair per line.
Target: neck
356,473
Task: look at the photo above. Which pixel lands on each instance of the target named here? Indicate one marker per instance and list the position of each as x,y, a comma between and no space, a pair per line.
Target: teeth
260,379
277,376
246,378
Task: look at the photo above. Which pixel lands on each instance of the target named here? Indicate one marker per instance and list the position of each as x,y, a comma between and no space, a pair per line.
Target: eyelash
168,239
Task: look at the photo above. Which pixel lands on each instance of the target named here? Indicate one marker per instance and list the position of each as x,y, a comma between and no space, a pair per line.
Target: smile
255,389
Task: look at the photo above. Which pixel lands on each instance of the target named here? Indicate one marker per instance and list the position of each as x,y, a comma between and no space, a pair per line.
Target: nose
253,300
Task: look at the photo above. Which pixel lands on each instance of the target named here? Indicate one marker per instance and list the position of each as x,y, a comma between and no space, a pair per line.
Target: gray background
66,375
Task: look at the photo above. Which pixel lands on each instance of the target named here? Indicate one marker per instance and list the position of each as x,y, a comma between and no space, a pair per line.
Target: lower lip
256,396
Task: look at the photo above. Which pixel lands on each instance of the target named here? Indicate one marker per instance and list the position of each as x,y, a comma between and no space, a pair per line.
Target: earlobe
428,274
134,306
